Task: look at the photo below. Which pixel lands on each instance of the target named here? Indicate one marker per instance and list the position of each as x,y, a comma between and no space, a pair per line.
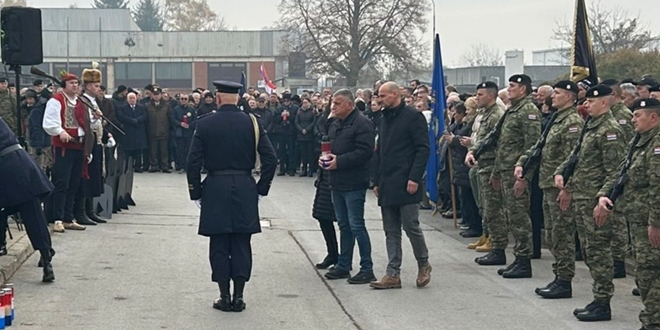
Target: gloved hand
134,121
260,198
39,151
111,142
89,158
198,202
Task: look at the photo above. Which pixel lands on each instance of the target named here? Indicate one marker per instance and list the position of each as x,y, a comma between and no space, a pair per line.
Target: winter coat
38,137
205,108
265,118
134,124
178,117
305,119
352,141
159,120
323,209
458,153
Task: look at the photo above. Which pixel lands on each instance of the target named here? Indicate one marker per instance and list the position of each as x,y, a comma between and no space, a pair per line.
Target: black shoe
41,260
470,233
153,170
238,304
281,174
537,290
600,311
85,221
619,269
336,274
507,268
635,292
586,308
536,255
49,275
578,256
291,174
311,175
362,278
223,303
557,290
89,211
493,258
302,175
425,207
327,262
521,269
3,250
166,171
137,170
96,218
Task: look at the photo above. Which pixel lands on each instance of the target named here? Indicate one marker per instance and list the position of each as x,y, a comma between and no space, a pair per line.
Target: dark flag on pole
583,64
243,89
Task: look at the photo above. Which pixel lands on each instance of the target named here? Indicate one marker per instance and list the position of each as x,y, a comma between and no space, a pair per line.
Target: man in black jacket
352,146
403,151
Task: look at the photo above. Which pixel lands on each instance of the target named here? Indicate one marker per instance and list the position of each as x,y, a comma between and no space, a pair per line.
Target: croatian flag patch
611,136
531,117
623,122
656,150
573,129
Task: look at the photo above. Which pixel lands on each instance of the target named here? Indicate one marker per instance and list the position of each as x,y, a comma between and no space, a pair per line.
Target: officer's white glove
260,198
89,158
111,142
198,202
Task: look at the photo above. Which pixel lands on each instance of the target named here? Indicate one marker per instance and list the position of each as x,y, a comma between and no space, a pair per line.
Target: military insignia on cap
611,136
188,114
213,111
573,129
483,85
642,104
595,93
519,80
568,87
623,122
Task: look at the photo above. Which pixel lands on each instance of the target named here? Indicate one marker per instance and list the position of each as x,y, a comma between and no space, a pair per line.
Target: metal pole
67,43
100,43
433,2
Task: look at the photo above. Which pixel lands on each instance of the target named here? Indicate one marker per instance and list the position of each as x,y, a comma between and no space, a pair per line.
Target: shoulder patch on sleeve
573,129
656,150
623,122
531,117
611,136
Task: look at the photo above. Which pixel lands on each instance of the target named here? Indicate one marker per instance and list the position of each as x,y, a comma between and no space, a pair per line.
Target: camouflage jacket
602,151
561,139
520,131
8,110
623,116
489,119
641,191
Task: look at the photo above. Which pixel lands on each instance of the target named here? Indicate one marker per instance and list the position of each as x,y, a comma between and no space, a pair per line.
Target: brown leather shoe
58,227
388,282
74,226
424,276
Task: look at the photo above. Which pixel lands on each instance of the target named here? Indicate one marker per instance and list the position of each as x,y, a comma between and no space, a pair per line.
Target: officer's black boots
493,258
557,290
90,212
46,258
619,269
507,268
537,290
224,302
237,304
520,269
597,311
79,213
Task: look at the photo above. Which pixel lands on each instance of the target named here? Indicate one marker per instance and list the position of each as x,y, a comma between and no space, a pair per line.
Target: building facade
73,38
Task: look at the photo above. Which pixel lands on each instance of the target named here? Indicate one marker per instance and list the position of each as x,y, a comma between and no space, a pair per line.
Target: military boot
79,213
619,269
237,303
482,240
507,268
493,258
48,273
486,247
635,292
521,269
600,311
90,212
557,290
586,308
537,290
224,302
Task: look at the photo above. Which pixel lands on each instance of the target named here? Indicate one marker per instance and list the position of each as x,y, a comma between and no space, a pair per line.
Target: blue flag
243,89
437,126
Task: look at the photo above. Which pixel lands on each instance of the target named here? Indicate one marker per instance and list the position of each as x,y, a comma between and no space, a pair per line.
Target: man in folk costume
70,124
83,208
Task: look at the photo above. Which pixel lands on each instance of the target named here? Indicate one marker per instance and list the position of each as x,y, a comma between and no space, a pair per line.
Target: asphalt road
148,269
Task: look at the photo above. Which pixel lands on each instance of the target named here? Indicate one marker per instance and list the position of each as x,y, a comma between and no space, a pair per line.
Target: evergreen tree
110,4
147,15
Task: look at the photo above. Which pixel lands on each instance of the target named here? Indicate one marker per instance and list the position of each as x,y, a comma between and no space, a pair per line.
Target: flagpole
433,2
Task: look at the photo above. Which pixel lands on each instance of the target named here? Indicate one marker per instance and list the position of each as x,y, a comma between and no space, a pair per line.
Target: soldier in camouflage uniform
520,131
623,116
640,203
8,106
491,199
601,152
559,225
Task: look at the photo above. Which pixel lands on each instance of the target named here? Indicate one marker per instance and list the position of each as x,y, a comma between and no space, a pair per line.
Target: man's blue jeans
349,210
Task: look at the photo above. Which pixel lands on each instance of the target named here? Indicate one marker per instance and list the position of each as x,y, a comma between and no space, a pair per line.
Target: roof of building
87,19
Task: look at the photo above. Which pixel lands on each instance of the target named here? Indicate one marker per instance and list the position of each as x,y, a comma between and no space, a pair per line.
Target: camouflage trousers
647,271
560,227
597,247
475,185
516,212
491,205
43,158
620,241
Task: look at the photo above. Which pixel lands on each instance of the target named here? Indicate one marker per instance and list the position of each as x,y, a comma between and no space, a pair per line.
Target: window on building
136,75
225,71
174,75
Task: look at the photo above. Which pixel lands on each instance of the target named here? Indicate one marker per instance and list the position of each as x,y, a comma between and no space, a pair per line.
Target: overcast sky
503,24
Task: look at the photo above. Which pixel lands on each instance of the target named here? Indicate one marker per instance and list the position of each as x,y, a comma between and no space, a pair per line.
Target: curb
18,252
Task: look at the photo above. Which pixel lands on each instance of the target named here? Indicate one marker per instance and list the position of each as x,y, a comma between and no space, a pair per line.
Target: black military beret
646,104
488,84
37,82
646,81
229,87
567,85
655,88
521,79
627,81
3,79
610,82
121,88
599,91
286,96
31,93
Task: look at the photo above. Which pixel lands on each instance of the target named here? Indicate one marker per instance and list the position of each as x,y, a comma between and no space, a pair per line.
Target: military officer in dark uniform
24,184
227,143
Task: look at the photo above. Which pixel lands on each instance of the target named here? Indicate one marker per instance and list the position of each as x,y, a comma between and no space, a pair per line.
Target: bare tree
343,36
482,55
13,3
192,15
612,29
